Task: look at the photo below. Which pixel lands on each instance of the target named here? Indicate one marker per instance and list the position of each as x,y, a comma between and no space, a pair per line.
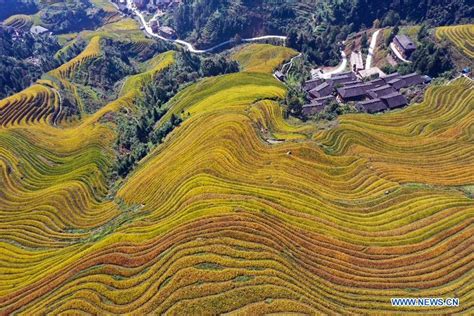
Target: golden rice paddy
262,57
462,36
38,103
19,21
220,220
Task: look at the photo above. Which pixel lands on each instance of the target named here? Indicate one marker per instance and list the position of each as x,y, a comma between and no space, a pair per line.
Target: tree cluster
321,48
209,22
23,59
218,65
99,79
70,16
392,35
362,13
137,136
431,58
110,67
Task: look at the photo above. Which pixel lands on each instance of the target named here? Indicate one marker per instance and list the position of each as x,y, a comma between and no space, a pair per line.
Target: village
149,5
368,88
363,85
155,8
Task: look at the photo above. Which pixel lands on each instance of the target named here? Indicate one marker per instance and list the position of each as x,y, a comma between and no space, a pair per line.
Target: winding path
370,56
290,63
342,66
131,6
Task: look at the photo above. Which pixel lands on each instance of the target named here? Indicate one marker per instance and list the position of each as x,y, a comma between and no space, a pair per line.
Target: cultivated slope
220,220
54,195
462,36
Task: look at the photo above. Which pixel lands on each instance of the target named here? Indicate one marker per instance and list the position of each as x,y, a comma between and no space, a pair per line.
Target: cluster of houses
150,5
376,95
371,96
156,7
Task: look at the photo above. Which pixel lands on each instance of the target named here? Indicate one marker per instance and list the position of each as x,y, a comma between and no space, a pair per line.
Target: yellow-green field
20,21
219,219
462,36
262,57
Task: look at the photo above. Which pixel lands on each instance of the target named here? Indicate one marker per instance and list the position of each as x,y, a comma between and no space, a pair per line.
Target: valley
143,174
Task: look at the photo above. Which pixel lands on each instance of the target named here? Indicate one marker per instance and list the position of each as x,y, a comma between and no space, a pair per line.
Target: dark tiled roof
279,74
413,79
371,106
323,86
382,90
351,83
311,84
405,42
372,95
324,100
369,86
353,91
317,104
387,78
377,82
343,74
394,100
398,83
315,80
341,80
322,90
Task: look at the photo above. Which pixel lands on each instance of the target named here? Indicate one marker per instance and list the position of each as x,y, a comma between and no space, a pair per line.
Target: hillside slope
207,23
462,36
219,219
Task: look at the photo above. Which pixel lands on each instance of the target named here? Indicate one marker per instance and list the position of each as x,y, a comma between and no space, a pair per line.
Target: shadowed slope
54,192
35,104
229,222
462,36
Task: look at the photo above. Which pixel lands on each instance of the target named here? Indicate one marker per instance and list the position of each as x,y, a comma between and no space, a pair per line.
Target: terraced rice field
36,104
218,219
91,51
462,36
112,13
19,21
262,57
61,76
123,30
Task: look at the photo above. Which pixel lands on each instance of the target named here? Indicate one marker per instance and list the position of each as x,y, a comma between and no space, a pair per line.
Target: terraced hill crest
462,36
239,210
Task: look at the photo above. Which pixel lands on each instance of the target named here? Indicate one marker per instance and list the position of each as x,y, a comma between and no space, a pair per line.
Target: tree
392,35
292,39
294,103
364,41
218,65
237,39
422,33
392,18
376,24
